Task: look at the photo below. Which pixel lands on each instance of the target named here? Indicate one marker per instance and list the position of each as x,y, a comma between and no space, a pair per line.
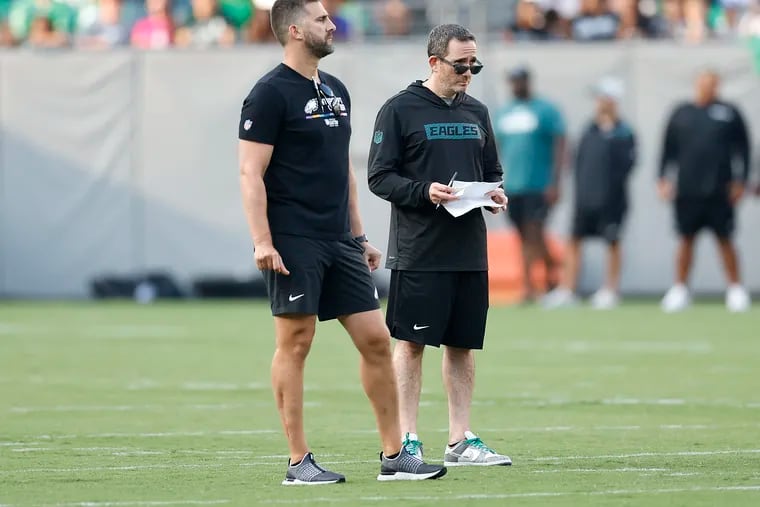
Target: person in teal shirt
530,133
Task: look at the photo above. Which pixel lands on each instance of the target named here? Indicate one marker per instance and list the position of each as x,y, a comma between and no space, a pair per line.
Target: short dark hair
285,13
441,35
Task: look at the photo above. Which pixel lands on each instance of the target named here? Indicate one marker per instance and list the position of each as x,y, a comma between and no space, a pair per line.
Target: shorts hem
325,316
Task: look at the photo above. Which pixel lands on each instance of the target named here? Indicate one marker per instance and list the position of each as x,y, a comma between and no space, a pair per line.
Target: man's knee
410,350
294,337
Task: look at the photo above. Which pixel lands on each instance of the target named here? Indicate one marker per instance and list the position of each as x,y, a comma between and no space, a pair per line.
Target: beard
318,48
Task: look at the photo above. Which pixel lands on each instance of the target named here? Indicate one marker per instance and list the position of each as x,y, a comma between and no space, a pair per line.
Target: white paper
471,195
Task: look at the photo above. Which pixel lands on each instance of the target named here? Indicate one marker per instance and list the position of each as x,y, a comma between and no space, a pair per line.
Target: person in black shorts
300,198
439,279
703,140
605,156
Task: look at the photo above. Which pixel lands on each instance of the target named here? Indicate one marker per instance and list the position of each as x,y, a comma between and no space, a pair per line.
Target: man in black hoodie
605,156
439,280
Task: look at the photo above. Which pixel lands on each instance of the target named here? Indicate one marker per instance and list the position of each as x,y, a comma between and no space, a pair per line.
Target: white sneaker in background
605,299
559,298
676,299
737,299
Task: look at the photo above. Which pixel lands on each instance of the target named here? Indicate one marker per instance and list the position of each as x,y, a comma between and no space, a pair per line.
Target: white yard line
36,440
138,503
504,496
552,459
648,455
147,407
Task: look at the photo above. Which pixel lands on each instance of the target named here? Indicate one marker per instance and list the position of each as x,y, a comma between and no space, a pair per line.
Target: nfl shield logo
247,125
378,137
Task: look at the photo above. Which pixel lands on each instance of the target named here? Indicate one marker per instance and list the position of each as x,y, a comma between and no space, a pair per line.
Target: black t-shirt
703,143
307,178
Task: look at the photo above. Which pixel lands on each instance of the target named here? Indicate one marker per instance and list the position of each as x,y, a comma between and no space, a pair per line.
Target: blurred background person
207,28
395,18
104,29
533,23
156,29
702,140
530,133
605,156
259,29
596,22
41,23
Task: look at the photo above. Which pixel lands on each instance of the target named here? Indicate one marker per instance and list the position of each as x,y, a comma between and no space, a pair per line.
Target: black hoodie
420,139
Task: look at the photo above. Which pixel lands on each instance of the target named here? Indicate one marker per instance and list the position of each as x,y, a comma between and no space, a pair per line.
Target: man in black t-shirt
300,198
703,139
439,279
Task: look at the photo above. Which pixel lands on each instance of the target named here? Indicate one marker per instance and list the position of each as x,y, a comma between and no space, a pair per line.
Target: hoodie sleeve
386,155
630,151
740,145
669,145
492,170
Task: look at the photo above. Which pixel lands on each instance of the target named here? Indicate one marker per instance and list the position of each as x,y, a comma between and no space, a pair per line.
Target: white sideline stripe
581,346
139,502
537,494
124,468
195,385
139,408
547,429
354,462
650,454
599,470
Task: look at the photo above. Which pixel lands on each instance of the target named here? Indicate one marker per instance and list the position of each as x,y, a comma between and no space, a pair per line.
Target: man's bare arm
254,159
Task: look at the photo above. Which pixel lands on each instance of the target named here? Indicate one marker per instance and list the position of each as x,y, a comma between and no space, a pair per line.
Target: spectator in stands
106,30
259,29
207,28
596,22
395,18
530,133
749,24
342,26
156,30
733,10
41,23
687,18
604,158
6,37
531,23
703,140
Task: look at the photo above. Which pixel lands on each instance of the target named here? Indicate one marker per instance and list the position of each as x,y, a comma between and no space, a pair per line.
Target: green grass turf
169,404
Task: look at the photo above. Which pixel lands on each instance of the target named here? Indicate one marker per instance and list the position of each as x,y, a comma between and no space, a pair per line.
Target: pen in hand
453,177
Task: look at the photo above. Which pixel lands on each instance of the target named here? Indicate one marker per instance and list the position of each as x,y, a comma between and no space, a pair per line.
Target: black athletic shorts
527,208
601,223
439,307
695,214
327,278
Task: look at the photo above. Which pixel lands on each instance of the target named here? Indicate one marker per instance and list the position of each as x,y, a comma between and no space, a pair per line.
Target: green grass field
124,405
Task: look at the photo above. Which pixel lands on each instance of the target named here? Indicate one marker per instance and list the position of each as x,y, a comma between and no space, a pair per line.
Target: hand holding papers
470,195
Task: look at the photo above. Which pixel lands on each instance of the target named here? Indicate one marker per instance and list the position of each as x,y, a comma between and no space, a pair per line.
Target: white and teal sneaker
473,452
412,445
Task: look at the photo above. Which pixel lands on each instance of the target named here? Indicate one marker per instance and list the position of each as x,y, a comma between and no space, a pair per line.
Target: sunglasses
461,68
324,92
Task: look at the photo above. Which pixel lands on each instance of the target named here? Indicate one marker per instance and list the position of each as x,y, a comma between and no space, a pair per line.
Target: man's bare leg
458,371
371,337
294,335
407,363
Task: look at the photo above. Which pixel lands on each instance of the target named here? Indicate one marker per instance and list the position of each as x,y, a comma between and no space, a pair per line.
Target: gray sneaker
406,467
308,473
473,452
